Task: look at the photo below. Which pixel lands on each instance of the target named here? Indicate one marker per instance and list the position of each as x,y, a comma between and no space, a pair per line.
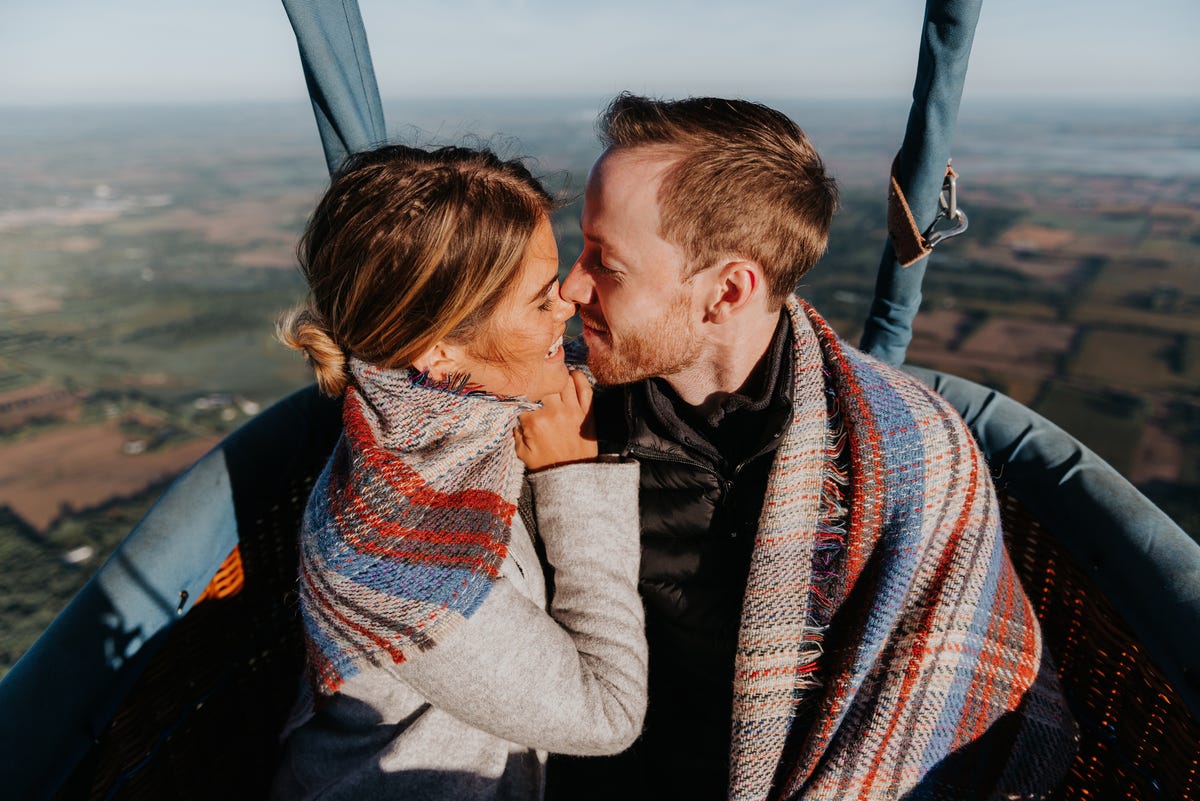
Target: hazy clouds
55,51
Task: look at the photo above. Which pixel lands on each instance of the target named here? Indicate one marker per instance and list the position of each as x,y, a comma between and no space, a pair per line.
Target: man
829,607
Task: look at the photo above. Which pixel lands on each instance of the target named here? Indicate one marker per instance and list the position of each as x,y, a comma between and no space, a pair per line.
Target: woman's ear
442,360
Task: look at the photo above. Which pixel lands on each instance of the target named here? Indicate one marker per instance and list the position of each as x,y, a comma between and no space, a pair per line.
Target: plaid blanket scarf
408,524
912,639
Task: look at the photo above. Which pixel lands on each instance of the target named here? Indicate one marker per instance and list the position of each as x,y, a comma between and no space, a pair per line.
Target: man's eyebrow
598,239
545,290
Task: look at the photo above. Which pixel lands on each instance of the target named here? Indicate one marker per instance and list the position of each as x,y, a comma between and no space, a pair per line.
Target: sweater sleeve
573,681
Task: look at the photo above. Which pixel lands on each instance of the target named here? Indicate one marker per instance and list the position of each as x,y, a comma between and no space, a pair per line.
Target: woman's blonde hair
409,247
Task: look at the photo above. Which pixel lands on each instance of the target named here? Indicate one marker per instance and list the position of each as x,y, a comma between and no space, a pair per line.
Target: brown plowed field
37,401
80,467
1023,341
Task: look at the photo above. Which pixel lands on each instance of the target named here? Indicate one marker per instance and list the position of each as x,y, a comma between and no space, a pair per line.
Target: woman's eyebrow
545,290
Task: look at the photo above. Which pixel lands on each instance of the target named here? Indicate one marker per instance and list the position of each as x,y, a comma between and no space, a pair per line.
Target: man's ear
737,283
443,359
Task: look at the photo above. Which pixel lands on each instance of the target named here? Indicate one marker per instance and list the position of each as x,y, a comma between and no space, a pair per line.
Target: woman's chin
554,381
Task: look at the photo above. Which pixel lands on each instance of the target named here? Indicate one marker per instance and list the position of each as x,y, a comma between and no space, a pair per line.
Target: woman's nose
565,308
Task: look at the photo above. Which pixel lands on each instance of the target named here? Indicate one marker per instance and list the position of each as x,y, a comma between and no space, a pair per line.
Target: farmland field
145,253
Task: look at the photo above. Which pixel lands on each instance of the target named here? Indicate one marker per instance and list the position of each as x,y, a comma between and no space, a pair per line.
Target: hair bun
303,330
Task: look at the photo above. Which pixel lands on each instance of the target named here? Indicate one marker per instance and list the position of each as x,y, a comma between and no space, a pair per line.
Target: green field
142,272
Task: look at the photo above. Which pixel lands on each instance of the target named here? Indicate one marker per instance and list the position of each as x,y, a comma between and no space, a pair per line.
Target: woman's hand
560,432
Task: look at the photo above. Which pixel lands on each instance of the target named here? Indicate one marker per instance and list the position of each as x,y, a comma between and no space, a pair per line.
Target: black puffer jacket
702,489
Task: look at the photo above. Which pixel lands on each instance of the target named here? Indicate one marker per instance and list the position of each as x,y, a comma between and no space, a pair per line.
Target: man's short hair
745,182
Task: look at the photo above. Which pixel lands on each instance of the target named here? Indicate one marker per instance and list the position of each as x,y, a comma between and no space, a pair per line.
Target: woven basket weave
1139,741
203,720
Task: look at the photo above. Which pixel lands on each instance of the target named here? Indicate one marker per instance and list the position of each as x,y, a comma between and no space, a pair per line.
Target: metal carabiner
948,210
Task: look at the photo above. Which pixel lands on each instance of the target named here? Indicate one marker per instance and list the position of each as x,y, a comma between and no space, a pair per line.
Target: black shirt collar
746,422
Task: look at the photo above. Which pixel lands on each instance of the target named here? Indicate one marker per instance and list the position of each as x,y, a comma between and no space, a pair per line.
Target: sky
55,52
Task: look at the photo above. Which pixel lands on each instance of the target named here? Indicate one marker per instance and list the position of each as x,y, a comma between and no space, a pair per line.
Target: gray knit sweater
474,717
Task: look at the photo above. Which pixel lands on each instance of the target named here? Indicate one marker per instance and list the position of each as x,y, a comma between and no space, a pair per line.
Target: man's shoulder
871,372
895,396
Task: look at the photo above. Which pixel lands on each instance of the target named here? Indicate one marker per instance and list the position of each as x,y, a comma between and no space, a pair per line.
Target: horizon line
589,96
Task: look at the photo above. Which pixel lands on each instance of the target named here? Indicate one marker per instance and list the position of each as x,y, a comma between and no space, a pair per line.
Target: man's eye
601,267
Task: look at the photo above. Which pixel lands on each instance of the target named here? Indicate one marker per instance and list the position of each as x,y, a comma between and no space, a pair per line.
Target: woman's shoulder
523,561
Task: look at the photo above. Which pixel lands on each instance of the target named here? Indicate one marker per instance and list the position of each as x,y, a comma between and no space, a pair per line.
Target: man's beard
661,347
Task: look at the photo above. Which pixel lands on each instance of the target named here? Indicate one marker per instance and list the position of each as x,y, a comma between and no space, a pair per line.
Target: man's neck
727,361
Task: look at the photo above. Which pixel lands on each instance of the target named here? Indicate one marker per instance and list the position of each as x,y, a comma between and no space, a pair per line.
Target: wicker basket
1139,741
203,720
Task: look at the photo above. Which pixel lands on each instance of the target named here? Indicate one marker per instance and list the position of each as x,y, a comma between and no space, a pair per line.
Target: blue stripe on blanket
956,694
904,465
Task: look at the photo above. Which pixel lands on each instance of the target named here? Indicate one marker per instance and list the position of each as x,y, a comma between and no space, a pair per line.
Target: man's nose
576,287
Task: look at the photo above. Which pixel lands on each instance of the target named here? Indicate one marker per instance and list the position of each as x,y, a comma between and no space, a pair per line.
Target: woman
435,670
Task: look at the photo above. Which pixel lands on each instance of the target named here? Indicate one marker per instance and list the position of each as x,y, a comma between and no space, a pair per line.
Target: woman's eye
547,304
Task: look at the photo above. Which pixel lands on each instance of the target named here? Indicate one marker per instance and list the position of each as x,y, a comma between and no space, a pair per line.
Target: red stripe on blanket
936,591
328,606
